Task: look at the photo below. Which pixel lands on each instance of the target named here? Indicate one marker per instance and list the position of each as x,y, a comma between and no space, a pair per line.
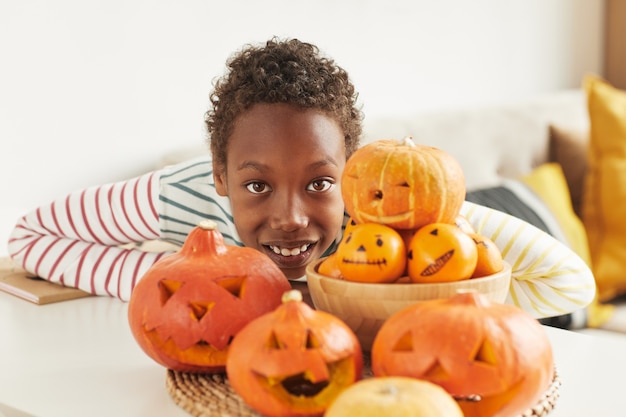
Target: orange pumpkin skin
441,252
294,361
330,267
189,305
489,256
469,346
371,252
402,184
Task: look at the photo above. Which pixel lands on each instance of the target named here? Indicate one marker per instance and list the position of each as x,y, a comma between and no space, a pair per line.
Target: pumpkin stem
471,296
207,225
291,295
408,141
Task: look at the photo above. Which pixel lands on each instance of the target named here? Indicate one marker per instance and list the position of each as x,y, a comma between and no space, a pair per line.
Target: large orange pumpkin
494,358
186,309
294,361
402,184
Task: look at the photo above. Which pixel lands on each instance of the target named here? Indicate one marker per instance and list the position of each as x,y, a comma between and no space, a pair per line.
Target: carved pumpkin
189,305
394,397
494,358
293,361
402,184
371,252
441,252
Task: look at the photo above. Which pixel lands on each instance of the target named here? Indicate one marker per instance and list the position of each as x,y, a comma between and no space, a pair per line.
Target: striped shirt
90,239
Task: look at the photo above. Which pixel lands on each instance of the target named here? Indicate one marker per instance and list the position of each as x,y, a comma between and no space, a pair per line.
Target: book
16,281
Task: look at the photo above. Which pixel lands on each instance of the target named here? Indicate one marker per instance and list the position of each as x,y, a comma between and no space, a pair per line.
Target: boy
283,122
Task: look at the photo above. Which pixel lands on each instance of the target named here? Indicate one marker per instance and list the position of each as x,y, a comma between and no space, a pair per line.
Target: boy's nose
289,213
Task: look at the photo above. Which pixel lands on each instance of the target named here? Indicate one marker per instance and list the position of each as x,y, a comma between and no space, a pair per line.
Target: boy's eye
258,187
320,185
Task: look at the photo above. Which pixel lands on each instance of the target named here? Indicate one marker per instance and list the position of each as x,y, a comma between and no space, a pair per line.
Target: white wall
98,91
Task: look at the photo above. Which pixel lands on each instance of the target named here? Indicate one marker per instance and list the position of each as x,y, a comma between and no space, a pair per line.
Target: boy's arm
75,241
548,278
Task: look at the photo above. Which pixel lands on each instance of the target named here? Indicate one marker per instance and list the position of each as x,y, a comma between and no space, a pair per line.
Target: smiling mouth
289,251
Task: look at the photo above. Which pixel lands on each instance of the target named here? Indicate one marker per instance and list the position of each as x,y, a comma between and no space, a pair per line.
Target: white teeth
290,252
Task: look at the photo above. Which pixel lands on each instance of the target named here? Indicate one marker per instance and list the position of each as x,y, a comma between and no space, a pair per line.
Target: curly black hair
281,71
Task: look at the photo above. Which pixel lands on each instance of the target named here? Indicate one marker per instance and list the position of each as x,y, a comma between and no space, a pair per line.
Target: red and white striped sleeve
75,241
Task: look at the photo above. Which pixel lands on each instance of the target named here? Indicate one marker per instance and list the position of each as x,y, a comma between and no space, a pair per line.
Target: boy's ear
219,176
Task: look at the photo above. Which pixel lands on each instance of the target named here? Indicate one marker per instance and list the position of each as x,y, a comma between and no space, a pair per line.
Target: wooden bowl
364,306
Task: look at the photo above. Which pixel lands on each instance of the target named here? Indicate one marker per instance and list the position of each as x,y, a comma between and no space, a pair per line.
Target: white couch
491,142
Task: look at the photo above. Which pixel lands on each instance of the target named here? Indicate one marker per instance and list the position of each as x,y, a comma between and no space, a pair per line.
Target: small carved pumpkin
402,184
441,252
293,361
494,358
371,252
189,305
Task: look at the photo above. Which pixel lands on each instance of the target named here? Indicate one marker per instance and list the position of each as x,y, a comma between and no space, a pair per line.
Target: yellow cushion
604,199
549,183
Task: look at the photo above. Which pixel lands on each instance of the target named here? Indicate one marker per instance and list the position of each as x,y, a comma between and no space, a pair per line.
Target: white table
78,358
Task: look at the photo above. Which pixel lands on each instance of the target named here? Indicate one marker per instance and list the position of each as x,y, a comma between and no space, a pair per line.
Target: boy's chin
295,273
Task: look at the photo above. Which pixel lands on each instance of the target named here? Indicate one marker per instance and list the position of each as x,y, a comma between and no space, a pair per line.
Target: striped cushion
517,199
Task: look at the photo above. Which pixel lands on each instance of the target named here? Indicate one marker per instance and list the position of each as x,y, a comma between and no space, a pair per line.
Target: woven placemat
210,395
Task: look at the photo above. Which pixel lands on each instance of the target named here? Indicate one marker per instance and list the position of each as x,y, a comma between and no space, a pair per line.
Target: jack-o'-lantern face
402,184
293,361
188,307
441,252
371,252
494,358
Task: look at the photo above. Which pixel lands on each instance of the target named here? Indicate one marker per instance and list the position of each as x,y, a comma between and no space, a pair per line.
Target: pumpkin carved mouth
300,386
303,388
374,262
384,219
436,266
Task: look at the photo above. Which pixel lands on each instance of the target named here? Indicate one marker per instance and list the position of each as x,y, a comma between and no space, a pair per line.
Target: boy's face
283,177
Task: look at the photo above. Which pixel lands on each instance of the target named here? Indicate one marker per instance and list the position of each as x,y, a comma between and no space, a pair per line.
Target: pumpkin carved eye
234,285
404,343
167,288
